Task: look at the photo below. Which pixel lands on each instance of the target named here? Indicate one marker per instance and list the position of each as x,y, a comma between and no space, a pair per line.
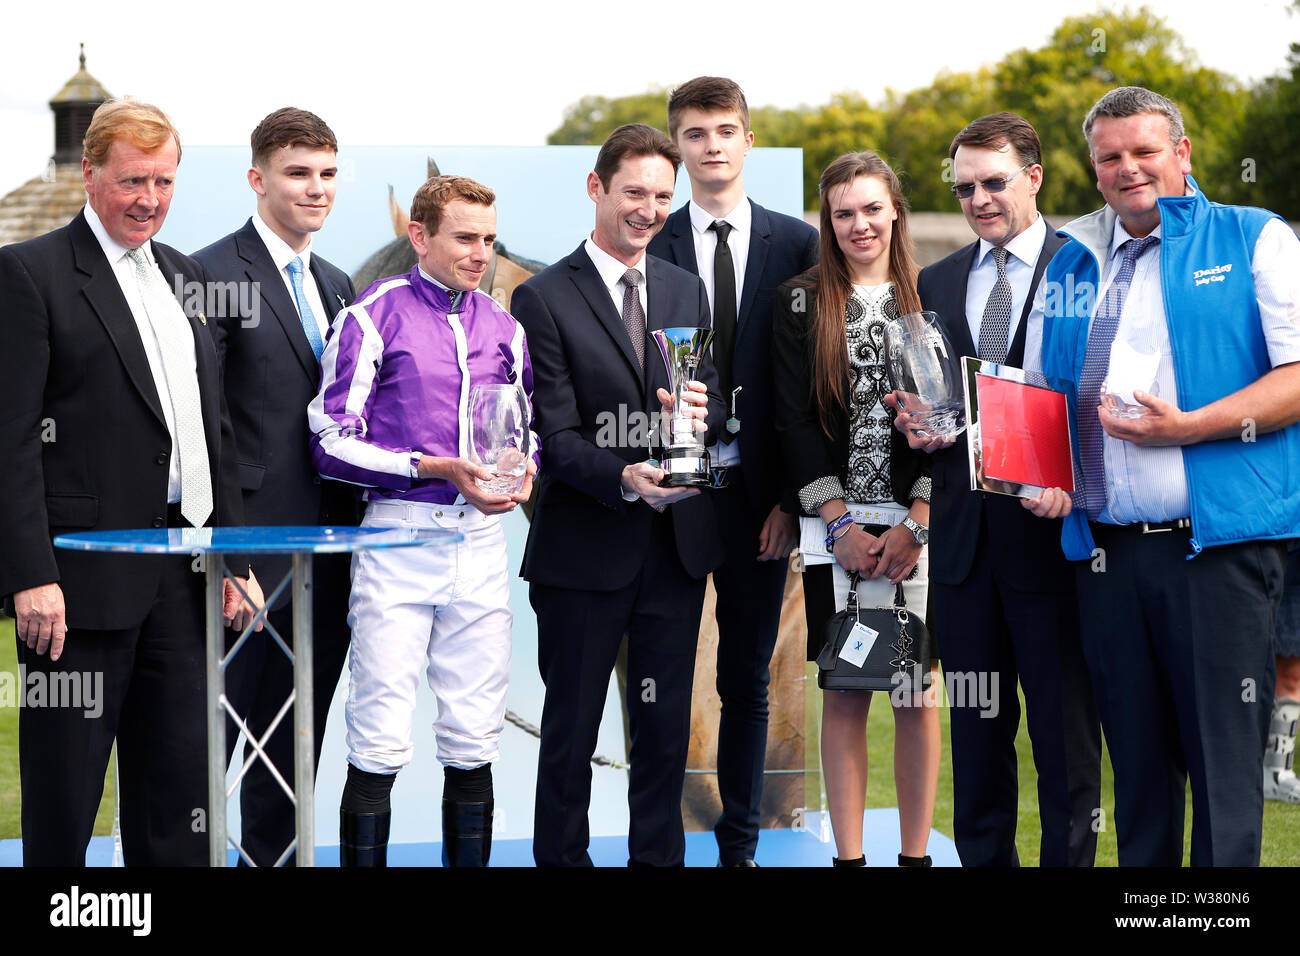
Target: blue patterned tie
305,314
1105,322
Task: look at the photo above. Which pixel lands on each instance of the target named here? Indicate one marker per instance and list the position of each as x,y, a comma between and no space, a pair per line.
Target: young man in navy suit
742,252
269,337
1003,594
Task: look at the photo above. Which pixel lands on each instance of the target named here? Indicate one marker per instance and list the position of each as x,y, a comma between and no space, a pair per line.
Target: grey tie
176,346
997,314
633,314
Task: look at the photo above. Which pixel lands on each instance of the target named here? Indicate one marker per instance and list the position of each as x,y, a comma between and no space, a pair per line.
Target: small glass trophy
499,436
924,373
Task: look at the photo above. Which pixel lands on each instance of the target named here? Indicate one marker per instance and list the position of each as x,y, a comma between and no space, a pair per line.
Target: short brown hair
632,140
290,126
997,129
432,198
1132,101
143,125
708,94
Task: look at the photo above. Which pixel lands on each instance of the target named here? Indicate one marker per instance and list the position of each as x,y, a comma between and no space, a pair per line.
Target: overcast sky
501,73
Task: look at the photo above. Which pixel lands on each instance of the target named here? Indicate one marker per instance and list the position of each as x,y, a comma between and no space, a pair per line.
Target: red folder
1024,433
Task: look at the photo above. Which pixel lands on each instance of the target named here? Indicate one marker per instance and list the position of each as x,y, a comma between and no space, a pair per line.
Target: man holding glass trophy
425,399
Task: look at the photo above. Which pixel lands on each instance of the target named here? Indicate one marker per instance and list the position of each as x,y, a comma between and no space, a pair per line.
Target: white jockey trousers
443,610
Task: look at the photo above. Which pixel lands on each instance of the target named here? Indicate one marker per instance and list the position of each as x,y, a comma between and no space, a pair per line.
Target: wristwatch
919,531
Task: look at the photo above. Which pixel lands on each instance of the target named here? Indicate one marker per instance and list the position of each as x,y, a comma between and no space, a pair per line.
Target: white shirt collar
610,269
432,279
1026,246
113,250
1120,235
281,252
739,218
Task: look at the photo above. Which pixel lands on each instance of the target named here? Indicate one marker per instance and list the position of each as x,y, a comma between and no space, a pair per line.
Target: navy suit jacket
588,387
780,247
270,377
1029,546
84,443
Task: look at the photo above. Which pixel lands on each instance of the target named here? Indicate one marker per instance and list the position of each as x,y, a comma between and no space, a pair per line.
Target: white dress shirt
706,243
722,454
1023,252
1147,483
612,272
282,254
124,272
1150,484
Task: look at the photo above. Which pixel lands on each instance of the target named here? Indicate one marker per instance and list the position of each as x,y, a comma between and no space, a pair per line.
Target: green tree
919,127
590,120
1053,87
1264,170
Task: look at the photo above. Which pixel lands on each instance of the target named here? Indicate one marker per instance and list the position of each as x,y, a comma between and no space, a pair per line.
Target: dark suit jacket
780,247
84,442
1029,546
587,383
270,377
809,452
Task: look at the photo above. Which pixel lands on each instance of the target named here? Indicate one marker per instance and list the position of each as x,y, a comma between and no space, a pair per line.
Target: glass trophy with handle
684,457
499,436
925,375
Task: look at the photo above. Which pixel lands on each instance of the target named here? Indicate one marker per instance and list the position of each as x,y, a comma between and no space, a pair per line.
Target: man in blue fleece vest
1176,322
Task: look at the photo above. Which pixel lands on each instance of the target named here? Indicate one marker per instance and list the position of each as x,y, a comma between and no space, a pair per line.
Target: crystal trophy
499,436
923,372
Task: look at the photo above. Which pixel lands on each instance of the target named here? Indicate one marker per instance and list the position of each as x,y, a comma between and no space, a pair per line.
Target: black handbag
900,656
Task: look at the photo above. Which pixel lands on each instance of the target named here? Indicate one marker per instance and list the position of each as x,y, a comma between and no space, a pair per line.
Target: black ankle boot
860,861
363,838
914,860
466,833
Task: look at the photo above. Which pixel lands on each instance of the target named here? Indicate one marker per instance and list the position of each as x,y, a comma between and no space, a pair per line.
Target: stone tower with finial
51,199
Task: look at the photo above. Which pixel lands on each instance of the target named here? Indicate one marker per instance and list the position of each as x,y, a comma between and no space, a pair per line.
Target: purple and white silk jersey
396,376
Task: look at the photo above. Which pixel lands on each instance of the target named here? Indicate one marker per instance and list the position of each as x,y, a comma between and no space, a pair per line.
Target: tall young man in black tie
742,252
269,337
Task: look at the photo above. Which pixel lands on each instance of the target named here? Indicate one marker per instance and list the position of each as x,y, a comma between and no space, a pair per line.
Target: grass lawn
1281,821
10,798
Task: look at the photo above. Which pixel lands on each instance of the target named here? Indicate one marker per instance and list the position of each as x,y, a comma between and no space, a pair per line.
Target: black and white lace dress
866,312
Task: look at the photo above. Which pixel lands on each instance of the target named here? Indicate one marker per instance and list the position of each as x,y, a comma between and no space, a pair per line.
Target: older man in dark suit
1003,595
115,420
280,299
609,551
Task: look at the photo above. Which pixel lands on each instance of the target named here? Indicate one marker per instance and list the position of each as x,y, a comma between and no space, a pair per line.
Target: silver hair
1130,101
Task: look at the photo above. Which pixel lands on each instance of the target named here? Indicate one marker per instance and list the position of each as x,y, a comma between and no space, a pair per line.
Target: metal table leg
216,822
304,785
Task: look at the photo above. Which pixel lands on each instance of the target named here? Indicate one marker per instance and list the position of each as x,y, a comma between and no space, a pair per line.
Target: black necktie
724,312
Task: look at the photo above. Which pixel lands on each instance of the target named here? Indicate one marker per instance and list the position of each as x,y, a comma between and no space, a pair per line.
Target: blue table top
262,540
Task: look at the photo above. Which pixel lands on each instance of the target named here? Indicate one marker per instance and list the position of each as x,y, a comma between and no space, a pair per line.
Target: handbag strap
855,578
851,602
